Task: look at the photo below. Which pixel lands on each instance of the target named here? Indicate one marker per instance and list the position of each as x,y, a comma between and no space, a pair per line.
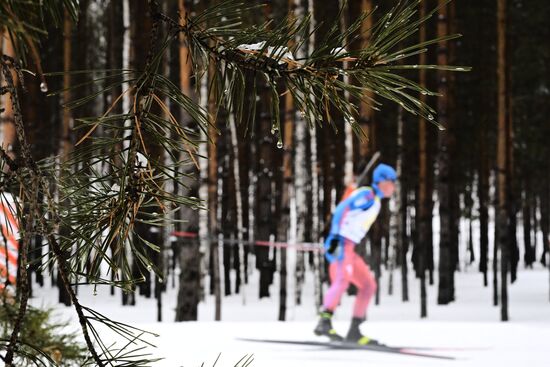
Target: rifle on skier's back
362,179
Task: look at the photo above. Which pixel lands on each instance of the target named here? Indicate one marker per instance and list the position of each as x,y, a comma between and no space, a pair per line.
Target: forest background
482,170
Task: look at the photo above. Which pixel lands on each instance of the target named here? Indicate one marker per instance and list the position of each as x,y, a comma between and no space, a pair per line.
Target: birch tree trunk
128,298
239,206
286,194
299,176
316,223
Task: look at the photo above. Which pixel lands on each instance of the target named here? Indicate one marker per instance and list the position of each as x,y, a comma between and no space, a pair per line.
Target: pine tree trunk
226,216
545,221
140,28
314,223
66,143
403,251
512,189
446,266
366,112
422,216
205,237
213,224
264,215
483,193
187,252
396,222
527,209
245,148
8,127
501,210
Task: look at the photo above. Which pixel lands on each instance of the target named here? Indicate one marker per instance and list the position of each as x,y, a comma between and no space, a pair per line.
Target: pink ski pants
351,269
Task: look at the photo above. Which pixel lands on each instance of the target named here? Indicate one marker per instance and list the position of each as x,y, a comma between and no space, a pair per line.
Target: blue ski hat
383,172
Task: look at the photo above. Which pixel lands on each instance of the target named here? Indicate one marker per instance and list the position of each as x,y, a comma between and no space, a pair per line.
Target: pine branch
31,195
119,183
263,50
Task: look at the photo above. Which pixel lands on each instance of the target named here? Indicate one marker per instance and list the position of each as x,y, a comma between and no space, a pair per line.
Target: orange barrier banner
9,239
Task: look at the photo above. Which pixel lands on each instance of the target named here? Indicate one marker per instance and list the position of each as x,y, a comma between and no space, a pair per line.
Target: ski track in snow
468,329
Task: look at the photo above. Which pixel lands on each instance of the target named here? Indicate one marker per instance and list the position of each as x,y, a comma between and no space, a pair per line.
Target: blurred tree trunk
238,247
67,124
8,127
367,147
265,256
141,26
313,223
299,177
528,257
502,158
446,255
456,172
244,151
286,196
545,218
423,215
264,215
187,249
128,298
483,193
39,129
115,33
403,241
511,166
213,224
226,217
397,225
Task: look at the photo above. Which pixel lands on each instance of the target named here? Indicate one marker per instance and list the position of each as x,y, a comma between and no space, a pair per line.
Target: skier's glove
332,244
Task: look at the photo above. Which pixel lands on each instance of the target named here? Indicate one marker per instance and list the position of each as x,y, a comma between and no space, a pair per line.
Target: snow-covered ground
468,329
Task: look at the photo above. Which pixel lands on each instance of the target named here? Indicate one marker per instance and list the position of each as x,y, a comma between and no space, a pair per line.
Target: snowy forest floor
468,329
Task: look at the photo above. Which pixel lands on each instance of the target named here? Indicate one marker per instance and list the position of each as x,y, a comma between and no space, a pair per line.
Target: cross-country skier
351,221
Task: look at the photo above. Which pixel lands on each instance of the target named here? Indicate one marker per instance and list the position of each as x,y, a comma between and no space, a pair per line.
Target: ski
342,345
